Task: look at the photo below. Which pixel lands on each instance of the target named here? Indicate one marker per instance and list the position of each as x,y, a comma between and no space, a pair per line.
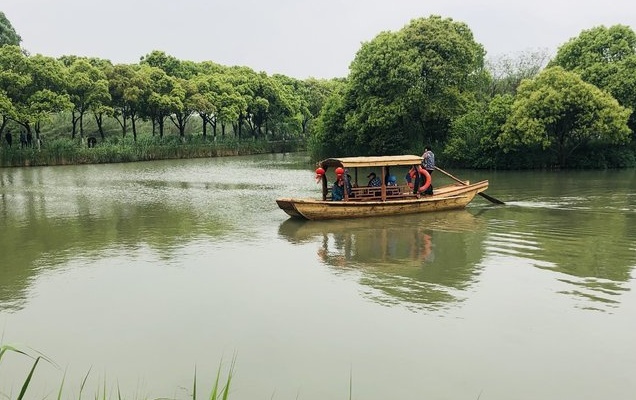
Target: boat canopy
371,161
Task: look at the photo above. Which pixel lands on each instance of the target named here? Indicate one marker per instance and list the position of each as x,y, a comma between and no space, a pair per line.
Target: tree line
160,89
428,83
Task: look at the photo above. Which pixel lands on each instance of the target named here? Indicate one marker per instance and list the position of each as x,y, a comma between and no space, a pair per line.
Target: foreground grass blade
28,379
194,384
84,383
6,347
229,378
216,382
225,391
59,393
351,384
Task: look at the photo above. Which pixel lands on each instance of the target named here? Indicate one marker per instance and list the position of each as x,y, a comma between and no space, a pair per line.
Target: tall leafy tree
605,57
330,138
169,64
217,101
407,86
14,78
87,87
309,96
242,79
32,88
103,108
165,95
8,35
185,108
473,140
128,87
560,112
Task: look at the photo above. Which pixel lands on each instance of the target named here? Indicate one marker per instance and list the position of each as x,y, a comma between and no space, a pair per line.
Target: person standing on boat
428,163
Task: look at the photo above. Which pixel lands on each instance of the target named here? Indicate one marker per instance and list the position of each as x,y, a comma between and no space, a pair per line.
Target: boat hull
447,198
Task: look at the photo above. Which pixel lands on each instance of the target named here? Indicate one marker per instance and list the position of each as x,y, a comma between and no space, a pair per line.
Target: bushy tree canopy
8,35
560,112
605,57
406,86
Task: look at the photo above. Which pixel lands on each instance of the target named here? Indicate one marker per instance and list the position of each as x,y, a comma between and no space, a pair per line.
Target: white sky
296,38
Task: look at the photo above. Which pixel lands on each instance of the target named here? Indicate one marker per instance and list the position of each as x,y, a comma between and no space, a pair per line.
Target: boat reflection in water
420,261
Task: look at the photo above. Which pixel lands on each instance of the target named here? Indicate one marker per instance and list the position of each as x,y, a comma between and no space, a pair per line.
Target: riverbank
73,152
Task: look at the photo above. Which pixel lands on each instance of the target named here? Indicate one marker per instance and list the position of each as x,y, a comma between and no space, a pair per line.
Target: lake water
137,275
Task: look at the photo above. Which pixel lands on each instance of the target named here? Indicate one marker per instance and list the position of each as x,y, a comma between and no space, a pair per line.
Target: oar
484,195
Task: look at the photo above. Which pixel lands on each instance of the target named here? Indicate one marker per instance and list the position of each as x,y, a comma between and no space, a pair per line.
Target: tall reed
63,151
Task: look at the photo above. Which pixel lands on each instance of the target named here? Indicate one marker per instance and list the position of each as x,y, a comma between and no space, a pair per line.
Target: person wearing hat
374,181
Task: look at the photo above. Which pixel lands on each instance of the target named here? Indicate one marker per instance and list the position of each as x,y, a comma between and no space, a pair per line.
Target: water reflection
46,240
423,261
587,240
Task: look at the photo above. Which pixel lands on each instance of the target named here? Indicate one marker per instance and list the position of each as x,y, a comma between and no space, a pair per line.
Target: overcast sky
297,38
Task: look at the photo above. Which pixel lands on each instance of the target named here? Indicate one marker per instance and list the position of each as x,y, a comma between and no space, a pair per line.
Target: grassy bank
63,151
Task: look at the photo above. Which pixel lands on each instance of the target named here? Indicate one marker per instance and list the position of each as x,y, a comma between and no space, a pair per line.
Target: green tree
311,96
268,102
407,86
185,108
560,112
330,138
13,79
605,57
165,95
128,87
31,88
219,102
87,87
172,66
103,107
8,35
473,140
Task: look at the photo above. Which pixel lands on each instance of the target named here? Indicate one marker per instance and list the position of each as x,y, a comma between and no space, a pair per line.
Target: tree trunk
205,125
74,120
99,120
134,128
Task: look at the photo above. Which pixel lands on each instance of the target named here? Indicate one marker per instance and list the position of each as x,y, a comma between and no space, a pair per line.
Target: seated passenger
374,181
409,176
349,185
391,184
337,192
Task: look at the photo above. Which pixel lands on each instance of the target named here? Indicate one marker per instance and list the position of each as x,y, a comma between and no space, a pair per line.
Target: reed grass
64,151
220,389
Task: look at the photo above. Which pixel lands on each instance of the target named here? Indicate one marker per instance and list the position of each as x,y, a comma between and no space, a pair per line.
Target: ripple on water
590,251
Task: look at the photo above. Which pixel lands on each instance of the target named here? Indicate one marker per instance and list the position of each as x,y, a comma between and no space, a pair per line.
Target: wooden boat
364,201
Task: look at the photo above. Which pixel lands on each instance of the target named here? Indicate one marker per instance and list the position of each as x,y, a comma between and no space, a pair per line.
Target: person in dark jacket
337,191
428,163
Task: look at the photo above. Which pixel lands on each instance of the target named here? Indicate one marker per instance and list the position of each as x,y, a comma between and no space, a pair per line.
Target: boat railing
366,193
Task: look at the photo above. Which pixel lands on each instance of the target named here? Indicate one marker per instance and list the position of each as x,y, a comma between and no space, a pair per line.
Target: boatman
428,163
